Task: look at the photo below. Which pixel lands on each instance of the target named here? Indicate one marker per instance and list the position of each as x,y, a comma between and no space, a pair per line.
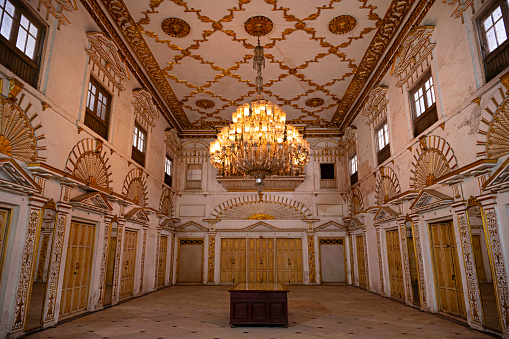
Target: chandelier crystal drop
258,143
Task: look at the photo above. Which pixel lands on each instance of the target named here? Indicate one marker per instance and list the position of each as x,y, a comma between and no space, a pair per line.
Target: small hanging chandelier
258,143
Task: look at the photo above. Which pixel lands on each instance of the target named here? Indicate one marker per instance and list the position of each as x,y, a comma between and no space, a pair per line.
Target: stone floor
314,312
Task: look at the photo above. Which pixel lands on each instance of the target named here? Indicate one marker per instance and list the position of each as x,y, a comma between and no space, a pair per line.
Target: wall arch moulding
493,133
265,207
89,162
433,159
21,132
355,203
414,56
387,185
325,149
166,205
135,187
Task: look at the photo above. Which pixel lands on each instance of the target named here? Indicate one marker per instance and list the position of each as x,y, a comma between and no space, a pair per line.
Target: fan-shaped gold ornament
17,137
136,191
431,165
497,144
91,167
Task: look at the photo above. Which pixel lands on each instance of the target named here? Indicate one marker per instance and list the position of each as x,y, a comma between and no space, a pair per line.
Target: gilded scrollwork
104,263
158,245
211,259
420,264
143,250
116,276
406,263
311,259
380,263
365,239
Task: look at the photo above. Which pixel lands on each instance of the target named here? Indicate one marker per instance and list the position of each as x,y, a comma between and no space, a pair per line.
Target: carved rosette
258,25
498,266
212,257
116,277
365,239
470,271
175,27
55,268
314,102
342,24
406,264
142,270
311,258
380,264
104,262
420,265
158,245
205,103
25,280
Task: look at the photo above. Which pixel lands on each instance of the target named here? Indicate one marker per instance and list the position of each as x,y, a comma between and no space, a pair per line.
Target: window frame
430,112
168,176
333,171
383,153
139,155
92,114
190,186
354,176
10,43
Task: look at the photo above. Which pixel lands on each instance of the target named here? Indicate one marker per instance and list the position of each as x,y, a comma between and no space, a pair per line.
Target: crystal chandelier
258,143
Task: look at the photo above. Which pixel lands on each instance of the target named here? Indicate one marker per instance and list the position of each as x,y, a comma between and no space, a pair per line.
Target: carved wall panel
212,258
311,259
54,271
433,159
420,264
172,141
406,264
352,267
375,107
387,185
366,259
144,109
142,269
116,277
104,262
380,263
135,187
470,271
348,143
25,280
171,240
158,244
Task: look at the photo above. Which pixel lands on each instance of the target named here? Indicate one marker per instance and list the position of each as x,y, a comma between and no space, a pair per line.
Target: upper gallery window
97,114
423,104
353,169
139,144
193,177
493,28
21,37
382,142
168,164
327,176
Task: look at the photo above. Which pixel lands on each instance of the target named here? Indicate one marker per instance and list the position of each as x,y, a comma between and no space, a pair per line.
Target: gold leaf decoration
314,102
342,24
205,103
175,27
258,25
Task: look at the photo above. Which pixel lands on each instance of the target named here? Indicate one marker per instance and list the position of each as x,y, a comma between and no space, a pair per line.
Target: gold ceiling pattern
311,53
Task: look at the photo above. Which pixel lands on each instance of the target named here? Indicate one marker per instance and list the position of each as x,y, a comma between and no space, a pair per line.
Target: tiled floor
314,312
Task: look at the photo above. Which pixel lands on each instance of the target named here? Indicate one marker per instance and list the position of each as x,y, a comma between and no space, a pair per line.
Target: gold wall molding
326,150
462,6
387,185
25,277
432,160
375,108
348,142
135,187
172,142
144,109
311,259
274,183
103,53
470,270
88,161
211,259
414,55
281,208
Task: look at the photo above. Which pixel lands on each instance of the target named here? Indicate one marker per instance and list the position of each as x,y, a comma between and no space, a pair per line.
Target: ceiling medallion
175,27
342,24
205,103
258,25
314,102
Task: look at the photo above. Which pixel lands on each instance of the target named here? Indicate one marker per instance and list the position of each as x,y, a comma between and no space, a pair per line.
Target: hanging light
258,143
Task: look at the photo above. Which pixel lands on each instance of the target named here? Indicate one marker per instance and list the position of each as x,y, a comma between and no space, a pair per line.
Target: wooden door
233,260
190,266
261,260
128,265
395,267
447,273
332,260
361,261
110,268
4,226
289,260
77,269
479,262
163,253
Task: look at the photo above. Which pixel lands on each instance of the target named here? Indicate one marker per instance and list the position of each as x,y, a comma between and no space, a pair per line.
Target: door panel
129,264
479,263
161,269
395,267
4,226
289,260
361,262
190,268
332,260
446,265
261,260
233,260
77,269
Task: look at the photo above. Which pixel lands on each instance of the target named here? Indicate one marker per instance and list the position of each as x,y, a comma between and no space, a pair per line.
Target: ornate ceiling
199,54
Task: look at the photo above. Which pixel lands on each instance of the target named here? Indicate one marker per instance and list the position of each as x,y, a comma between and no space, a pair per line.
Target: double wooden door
129,264
447,272
395,267
161,268
261,260
77,269
361,260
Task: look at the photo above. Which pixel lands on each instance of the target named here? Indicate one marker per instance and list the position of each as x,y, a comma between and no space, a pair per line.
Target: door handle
453,277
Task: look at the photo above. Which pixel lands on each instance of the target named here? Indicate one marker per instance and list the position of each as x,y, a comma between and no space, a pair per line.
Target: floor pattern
314,312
